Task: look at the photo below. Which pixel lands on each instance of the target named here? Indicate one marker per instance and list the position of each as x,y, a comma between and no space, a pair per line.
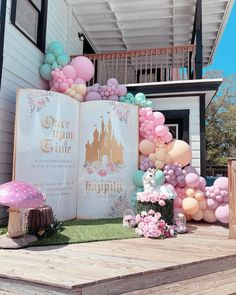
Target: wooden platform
117,267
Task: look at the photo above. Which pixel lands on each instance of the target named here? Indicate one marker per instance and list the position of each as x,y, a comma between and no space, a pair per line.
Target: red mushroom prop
18,195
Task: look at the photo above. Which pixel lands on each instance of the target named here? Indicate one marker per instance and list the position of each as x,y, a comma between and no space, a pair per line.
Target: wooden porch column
232,198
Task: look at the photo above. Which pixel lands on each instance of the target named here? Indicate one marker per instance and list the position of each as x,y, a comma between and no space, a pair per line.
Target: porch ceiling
114,25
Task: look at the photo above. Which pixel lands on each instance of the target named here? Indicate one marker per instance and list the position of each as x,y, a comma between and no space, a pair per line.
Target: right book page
108,158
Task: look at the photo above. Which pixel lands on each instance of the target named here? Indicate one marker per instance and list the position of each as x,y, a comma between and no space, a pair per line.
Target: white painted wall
21,62
184,103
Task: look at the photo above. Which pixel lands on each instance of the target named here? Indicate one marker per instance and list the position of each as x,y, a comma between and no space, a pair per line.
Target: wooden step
220,283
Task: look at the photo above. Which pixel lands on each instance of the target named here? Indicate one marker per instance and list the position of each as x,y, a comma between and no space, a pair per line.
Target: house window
30,16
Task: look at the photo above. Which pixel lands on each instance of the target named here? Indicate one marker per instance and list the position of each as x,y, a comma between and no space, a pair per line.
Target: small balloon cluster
174,175
218,199
145,163
111,91
55,58
138,99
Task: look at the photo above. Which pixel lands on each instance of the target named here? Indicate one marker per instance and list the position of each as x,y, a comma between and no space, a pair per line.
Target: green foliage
54,228
221,122
167,211
3,230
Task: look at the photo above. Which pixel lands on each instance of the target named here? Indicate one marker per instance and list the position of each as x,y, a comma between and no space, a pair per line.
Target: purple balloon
95,87
91,96
212,204
122,90
112,81
222,182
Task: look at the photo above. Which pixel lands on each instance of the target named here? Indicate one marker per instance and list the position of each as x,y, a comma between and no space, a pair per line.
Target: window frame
42,23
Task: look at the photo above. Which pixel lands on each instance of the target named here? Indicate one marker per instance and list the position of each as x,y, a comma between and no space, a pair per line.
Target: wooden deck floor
116,267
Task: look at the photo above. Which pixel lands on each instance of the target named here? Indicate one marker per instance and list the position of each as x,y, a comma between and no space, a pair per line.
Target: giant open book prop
80,155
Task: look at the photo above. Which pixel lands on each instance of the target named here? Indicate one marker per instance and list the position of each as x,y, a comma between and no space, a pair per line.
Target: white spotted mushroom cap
18,194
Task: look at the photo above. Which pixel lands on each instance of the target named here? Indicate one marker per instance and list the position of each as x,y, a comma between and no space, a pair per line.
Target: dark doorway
2,30
178,123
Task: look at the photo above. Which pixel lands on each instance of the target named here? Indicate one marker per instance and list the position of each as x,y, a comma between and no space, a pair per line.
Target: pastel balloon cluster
152,125
77,91
174,175
55,58
145,163
218,199
139,99
111,91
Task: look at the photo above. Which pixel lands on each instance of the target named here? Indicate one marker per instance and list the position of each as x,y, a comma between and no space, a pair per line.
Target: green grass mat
81,231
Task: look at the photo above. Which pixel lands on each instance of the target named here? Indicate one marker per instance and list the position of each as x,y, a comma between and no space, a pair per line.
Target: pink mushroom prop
18,195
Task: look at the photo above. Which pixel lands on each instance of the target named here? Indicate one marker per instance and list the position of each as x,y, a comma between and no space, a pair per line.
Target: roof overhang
113,25
208,87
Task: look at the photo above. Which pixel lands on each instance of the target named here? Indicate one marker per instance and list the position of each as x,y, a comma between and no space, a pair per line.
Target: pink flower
158,215
90,170
151,212
162,203
138,218
139,231
102,172
111,166
143,213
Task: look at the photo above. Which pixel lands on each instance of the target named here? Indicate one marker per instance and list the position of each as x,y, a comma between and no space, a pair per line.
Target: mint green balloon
159,177
53,45
49,58
58,51
45,71
54,66
149,103
63,59
141,96
122,98
137,178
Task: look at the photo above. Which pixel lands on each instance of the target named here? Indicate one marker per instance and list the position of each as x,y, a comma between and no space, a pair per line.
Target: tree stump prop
39,218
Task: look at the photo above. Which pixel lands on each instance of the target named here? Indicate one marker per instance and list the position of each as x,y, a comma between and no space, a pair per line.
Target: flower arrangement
150,225
153,197
102,169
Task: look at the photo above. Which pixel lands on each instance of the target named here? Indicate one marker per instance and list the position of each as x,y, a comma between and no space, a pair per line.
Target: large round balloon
146,147
180,152
190,206
84,67
222,213
91,96
137,178
209,215
222,183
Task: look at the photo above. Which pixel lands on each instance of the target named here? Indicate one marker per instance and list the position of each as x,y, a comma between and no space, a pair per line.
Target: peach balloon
180,152
188,216
190,192
198,216
160,154
159,164
199,195
190,206
146,147
203,204
152,157
209,216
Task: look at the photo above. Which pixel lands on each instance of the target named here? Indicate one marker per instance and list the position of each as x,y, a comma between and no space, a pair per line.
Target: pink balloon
122,90
56,86
91,96
69,71
64,86
167,137
50,83
222,183
84,67
177,202
79,81
70,81
161,130
212,204
222,213
159,118
192,180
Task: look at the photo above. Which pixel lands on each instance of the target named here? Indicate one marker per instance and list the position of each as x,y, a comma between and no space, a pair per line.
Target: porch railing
146,65
232,198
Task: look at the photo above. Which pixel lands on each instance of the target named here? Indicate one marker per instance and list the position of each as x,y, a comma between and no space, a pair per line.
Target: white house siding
184,103
21,62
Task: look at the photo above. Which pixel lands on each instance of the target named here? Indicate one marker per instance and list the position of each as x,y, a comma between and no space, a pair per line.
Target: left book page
46,147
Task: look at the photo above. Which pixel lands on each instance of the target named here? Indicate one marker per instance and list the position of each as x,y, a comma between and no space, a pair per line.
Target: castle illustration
104,144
